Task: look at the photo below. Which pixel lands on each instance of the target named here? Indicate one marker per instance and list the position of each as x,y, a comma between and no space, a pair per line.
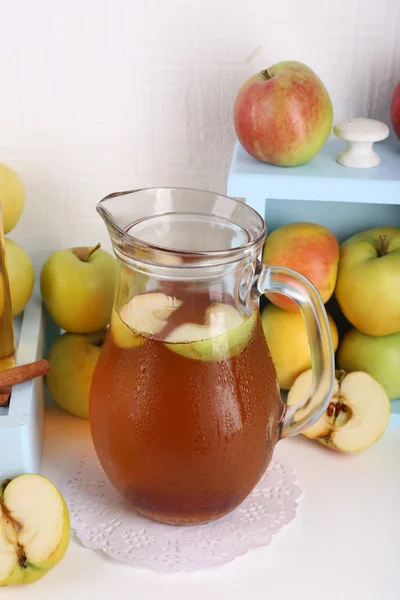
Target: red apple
395,110
283,115
309,249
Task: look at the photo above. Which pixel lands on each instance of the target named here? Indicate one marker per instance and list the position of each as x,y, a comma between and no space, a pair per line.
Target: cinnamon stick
5,394
10,377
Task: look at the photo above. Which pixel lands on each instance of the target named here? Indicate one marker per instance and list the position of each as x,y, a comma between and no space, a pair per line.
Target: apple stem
92,251
264,73
384,245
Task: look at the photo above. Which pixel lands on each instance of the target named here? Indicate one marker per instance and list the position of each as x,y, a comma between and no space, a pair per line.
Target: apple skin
368,283
22,576
72,359
79,294
12,197
288,343
395,110
283,115
309,249
377,356
21,276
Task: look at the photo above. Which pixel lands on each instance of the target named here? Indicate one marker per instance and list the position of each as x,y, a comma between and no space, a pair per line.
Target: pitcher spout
181,227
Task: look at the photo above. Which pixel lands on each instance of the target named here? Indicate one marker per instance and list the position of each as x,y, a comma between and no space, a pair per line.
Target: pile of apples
35,527
77,286
363,273
21,274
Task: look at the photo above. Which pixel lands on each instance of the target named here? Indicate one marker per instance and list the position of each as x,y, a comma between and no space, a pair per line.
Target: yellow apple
11,197
35,529
368,283
72,359
309,249
287,340
21,276
377,355
356,417
77,288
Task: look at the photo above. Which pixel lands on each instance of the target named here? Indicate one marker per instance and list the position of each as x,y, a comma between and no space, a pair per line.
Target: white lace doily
102,521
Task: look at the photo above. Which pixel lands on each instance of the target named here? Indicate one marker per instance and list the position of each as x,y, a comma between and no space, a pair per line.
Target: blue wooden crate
345,200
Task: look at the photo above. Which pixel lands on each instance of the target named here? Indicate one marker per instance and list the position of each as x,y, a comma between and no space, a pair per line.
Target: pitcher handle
293,285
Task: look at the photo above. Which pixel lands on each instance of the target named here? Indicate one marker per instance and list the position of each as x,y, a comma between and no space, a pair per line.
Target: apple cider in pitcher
182,427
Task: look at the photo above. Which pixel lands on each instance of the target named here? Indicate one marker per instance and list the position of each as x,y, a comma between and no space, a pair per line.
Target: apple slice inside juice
122,335
145,315
224,335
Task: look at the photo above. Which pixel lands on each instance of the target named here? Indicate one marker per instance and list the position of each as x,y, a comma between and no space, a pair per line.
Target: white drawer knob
360,134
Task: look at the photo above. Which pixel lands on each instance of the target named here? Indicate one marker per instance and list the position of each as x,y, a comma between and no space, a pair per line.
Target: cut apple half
144,315
225,334
34,529
357,415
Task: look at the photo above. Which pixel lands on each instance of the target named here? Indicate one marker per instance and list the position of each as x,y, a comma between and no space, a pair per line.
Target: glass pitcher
185,406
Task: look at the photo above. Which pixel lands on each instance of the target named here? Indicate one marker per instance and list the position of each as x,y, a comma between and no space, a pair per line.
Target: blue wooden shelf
321,179
345,200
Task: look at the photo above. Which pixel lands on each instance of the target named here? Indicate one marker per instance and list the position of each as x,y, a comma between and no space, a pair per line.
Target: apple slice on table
356,417
34,529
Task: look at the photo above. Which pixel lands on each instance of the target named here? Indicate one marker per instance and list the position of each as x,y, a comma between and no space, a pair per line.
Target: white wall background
104,95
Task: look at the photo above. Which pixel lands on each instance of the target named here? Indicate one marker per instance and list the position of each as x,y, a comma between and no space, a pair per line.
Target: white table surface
343,544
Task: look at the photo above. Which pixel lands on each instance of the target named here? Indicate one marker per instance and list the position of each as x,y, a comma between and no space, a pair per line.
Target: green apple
72,359
35,529
356,417
368,283
21,276
77,288
11,197
378,356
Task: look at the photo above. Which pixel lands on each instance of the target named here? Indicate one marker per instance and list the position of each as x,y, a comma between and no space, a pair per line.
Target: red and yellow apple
283,115
307,248
288,343
395,110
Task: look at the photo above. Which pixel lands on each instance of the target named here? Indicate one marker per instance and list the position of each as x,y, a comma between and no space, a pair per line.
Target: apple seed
331,409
